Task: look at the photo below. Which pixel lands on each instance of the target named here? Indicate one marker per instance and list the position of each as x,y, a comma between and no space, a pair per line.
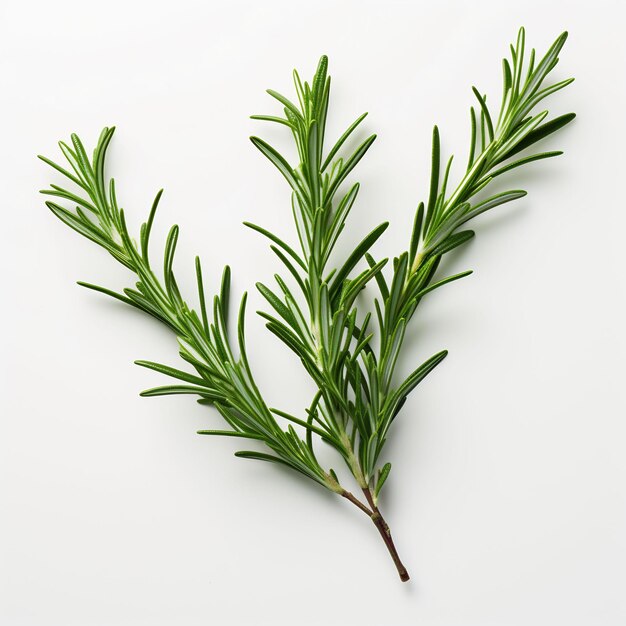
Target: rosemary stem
349,496
383,528
385,533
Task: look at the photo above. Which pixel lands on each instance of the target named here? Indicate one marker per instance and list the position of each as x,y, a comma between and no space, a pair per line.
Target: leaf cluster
217,355
352,356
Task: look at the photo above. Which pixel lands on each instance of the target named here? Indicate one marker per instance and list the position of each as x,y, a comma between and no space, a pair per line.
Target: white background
507,495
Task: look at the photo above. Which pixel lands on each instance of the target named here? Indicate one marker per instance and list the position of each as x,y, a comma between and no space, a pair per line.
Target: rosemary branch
350,356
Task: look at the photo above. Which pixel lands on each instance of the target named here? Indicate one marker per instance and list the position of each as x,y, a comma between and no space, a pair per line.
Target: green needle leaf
382,477
356,255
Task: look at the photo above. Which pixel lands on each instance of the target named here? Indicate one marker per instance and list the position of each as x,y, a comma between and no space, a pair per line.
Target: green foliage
314,307
222,374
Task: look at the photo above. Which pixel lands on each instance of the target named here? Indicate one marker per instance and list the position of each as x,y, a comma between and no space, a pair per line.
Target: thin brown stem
356,502
385,533
383,528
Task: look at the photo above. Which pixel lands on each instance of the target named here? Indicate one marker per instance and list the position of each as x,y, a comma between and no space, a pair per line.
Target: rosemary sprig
222,374
350,356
